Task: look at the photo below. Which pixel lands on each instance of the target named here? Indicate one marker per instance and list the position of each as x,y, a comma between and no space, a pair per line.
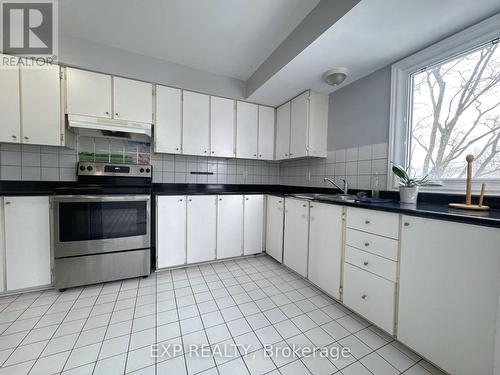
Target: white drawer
370,296
373,263
383,246
381,223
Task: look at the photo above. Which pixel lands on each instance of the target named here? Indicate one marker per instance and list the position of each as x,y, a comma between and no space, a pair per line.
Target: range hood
104,127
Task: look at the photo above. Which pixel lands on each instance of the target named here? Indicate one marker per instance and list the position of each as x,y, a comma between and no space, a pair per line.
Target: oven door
84,225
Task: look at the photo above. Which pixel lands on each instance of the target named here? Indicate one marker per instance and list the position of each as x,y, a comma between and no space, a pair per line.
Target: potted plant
408,186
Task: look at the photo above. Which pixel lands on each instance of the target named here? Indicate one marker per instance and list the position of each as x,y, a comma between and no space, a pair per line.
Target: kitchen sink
327,197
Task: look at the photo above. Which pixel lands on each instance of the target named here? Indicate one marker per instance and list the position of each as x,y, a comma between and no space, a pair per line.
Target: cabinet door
133,100
283,132
41,105
246,130
448,296
299,125
253,232
168,126
10,130
88,93
296,240
170,231
266,133
318,124
27,242
201,228
325,247
274,227
222,127
195,123
229,226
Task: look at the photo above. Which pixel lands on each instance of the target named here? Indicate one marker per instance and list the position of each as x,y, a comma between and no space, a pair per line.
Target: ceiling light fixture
335,77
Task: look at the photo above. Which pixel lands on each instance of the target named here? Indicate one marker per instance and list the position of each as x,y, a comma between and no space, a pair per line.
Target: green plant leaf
400,172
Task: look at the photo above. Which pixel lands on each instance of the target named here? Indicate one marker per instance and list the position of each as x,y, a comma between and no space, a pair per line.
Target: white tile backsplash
360,166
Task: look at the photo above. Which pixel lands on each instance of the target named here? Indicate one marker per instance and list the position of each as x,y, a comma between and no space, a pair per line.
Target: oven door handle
100,198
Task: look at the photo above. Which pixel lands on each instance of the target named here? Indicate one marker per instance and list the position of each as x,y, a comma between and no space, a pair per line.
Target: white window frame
401,71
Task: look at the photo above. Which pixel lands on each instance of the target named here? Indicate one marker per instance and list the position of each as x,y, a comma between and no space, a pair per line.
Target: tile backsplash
359,166
178,168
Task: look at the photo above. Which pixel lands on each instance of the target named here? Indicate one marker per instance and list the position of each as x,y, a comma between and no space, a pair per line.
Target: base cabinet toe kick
424,281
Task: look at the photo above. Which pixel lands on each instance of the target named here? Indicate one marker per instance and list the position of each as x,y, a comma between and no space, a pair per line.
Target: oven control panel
108,169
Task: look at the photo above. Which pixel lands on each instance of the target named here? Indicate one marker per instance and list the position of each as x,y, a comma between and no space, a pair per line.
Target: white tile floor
109,328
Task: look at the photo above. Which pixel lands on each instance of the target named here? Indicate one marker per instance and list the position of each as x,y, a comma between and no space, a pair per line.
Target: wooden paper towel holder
468,195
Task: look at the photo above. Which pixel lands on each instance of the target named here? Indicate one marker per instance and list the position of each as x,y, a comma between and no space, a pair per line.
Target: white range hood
107,127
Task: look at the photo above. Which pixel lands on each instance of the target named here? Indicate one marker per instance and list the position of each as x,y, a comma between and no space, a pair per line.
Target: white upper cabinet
305,129
196,123
201,228
449,294
88,93
325,246
274,227
283,132
222,127
266,133
295,249
168,126
133,100
229,226
170,230
41,105
299,125
246,130
253,232
27,256
10,130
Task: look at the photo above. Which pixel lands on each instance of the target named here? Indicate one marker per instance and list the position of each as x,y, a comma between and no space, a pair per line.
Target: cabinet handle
304,205
286,154
205,151
213,152
291,154
14,136
26,138
407,224
254,154
246,199
367,221
260,155
190,199
367,244
177,149
7,202
365,263
311,206
180,200
107,113
116,114
280,201
220,199
363,296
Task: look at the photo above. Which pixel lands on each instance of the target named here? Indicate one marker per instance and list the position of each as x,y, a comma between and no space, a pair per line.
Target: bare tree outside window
456,111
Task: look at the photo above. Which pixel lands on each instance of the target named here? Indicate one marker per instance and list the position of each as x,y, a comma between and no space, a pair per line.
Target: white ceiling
226,37
373,34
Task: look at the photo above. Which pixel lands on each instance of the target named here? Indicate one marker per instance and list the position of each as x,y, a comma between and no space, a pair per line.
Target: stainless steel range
101,226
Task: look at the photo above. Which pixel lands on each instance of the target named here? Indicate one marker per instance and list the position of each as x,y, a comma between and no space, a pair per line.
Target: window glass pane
455,111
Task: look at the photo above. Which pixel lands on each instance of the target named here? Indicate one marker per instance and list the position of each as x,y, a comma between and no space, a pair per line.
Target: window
446,105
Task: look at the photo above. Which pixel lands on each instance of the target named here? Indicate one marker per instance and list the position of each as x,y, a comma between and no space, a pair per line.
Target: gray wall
88,55
359,112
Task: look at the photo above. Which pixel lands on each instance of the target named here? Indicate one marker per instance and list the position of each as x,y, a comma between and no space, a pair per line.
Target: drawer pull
363,296
365,263
407,224
367,221
367,244
304,205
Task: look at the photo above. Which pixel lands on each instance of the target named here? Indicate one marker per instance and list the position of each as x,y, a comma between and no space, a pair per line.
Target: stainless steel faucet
344,189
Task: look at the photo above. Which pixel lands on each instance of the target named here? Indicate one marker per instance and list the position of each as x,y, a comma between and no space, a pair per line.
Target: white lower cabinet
27,242
229,226
274,227
325,247
170,231
296,238
201,228
449,294
253,229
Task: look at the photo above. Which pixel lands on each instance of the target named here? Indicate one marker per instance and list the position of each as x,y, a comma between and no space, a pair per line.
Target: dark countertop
431,205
